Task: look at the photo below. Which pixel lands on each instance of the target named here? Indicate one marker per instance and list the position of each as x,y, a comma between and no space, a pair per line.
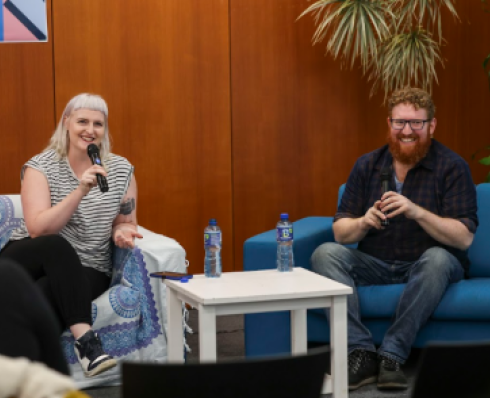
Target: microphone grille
93,149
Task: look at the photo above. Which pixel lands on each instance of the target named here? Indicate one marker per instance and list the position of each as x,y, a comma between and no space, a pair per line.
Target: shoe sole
106,365
364,382
392,386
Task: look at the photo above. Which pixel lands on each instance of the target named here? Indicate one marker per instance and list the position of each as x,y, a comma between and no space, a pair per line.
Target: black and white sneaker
91,355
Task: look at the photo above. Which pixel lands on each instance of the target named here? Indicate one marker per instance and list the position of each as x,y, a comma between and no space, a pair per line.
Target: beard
413,155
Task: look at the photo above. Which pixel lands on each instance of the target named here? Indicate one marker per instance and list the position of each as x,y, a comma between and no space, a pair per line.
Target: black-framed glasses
415,124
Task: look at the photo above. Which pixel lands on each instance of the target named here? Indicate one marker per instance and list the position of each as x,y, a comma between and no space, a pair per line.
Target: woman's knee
10,270
56,244
53,241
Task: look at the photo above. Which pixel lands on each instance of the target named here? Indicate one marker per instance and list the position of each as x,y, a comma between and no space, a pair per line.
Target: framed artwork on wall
23,21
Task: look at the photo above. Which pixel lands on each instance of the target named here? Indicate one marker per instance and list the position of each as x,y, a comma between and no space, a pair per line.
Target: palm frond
404,58
428,11
358,25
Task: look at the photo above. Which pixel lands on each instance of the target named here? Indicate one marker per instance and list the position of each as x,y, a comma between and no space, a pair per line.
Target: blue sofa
462,315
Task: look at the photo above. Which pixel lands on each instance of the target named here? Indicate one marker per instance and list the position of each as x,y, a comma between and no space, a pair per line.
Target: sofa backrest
341,192
479,252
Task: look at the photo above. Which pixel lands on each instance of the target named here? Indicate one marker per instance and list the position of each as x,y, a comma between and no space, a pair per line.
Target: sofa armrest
155,251
166,253
259,252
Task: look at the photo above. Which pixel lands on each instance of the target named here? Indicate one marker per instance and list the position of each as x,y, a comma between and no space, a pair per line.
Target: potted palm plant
397,42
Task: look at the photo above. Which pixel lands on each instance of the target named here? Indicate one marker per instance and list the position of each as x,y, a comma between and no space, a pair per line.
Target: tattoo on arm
127,206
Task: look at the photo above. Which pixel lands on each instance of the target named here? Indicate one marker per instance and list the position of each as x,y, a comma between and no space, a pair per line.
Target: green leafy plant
397,42
485,161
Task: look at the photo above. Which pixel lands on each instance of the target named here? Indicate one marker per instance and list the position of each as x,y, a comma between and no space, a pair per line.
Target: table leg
338,347
298,332
207,333
175,331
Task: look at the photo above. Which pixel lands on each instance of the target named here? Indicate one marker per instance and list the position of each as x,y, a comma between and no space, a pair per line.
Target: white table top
252,286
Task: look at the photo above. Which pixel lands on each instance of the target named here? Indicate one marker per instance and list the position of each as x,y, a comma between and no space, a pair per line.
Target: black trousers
29,328
56,269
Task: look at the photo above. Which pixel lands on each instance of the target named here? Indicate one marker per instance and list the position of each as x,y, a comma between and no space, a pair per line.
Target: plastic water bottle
284,234
212,247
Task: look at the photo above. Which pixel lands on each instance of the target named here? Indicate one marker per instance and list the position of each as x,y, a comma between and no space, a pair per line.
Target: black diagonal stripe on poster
24,20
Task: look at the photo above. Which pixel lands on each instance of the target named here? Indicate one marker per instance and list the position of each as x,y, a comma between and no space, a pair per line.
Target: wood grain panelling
463,96
163,67
299,121
26,105
280,138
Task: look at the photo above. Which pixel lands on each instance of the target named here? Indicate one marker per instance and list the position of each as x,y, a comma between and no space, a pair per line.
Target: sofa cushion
10,216
466,300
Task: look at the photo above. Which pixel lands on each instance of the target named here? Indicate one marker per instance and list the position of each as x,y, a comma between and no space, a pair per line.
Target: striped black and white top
89,230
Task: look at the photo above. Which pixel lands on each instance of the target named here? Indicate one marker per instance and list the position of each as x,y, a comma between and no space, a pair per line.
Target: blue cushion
10,216
479,252
466,300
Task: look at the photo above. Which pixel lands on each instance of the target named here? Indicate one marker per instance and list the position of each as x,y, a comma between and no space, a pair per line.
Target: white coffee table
262,291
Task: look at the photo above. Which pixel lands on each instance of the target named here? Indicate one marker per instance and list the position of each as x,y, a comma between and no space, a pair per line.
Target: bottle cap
284,216
212,221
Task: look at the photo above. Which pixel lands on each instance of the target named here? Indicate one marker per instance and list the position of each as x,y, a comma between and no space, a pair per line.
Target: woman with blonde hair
65,239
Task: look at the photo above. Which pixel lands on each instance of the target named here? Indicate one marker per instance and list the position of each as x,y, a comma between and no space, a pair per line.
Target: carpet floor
230,345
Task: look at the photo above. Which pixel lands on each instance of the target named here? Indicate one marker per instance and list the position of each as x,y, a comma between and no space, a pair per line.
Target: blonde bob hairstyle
60,140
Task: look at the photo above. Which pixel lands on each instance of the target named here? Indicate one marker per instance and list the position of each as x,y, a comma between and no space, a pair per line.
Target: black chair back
282,377
453,371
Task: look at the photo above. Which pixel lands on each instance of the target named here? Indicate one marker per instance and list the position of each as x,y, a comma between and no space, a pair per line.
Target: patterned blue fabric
132,299
8,222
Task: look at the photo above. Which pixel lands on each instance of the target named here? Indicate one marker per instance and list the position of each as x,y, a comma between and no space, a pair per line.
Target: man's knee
326,257
437,261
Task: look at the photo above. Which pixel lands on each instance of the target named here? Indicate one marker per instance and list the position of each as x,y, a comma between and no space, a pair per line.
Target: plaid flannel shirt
440,183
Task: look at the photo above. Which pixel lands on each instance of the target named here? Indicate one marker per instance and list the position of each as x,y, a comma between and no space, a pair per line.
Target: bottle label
212,239
284,234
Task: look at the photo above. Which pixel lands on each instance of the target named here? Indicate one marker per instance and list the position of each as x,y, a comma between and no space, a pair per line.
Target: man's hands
372,218
396,204
123,236
393,204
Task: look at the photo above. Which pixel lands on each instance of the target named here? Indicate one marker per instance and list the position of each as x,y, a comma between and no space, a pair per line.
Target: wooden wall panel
26,104
163,67
300,121
462,96
294,127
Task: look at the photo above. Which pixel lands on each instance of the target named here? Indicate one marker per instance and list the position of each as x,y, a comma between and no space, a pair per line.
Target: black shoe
363,368
391,377
91,355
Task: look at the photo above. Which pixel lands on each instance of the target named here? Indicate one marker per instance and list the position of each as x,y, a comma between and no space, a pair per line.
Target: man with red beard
431,211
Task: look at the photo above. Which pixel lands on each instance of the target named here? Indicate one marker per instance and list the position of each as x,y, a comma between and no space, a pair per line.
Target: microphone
94,155
385,187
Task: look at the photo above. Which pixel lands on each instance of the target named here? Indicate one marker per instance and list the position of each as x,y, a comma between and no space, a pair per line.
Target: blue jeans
426,281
